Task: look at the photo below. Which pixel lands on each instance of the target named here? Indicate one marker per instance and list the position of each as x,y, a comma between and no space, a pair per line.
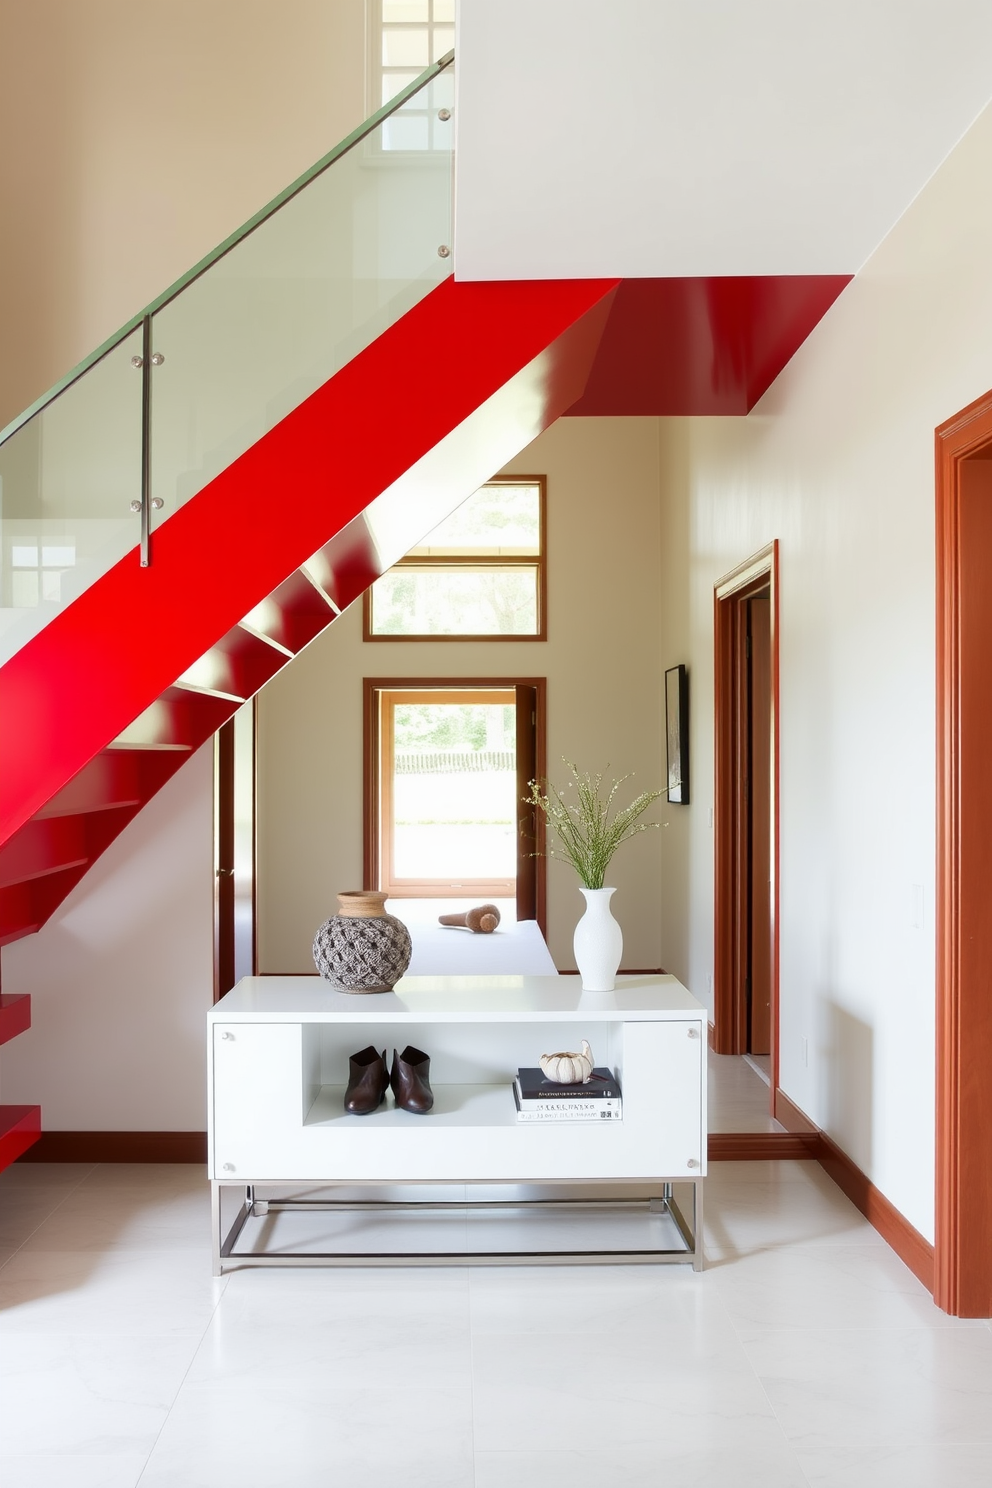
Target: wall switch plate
916,911
806,1052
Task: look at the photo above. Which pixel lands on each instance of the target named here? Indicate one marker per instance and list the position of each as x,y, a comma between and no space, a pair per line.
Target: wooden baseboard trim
762,1147
894,1228
118,1147
790,1116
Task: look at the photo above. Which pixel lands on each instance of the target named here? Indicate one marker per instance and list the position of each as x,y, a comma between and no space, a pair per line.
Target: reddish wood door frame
759,1011
224,859
963,1241
729,816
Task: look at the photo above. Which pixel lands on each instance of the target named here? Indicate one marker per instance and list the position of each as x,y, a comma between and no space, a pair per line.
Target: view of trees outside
456,601
498,521
454,791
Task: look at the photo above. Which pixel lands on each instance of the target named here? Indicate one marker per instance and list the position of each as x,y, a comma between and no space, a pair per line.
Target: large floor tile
766,1210
326,1295
878,1387
389,1347
80,1470
608,1393
417,1433
115,1219
753,1454
946,1466
24,1210
31,1175
763,1170
837,1286
616,1301
81,1393
134,1177
125,1293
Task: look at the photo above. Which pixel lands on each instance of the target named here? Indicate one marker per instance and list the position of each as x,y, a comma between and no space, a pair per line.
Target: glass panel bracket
144,363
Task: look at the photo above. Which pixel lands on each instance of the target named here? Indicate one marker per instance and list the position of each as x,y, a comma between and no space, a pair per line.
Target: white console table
278,1066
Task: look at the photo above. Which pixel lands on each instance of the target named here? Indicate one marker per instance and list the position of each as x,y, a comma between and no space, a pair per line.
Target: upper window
480,575
407,36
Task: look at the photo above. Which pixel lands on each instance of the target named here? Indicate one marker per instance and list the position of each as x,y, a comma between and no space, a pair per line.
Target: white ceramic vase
598,942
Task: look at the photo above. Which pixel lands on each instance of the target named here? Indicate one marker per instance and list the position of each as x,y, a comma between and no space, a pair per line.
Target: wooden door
759,825
527,823
735,912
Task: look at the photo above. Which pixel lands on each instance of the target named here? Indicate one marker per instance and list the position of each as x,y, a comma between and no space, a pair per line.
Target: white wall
837,462
654,137
603,661
121,978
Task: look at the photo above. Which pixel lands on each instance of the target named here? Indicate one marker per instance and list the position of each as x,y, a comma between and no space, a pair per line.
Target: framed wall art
677,733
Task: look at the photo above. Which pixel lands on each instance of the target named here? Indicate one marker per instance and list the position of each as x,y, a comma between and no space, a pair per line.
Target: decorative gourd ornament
568,1068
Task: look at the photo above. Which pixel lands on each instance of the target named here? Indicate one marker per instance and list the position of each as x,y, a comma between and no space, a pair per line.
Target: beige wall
603,661
837,463
134,136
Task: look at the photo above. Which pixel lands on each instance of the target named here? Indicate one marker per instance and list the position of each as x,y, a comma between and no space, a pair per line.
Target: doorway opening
963,1230
745,983
447,765
235,952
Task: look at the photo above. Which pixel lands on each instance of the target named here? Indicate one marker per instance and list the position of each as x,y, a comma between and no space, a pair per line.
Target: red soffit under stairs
680,347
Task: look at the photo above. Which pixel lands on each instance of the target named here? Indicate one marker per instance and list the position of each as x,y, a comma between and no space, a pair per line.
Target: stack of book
539,1099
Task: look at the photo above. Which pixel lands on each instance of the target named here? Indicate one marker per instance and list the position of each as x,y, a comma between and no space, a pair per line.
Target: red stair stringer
107,702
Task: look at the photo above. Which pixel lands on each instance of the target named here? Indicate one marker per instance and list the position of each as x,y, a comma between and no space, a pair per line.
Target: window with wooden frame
405,37
447,766
481,575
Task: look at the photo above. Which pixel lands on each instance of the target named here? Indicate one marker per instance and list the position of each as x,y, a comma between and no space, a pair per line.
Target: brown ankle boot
410,1079
368,1082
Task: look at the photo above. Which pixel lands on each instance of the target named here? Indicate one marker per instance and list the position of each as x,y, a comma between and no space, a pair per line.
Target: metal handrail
238,236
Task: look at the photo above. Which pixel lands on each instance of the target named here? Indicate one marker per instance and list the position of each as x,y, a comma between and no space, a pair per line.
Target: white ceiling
684,137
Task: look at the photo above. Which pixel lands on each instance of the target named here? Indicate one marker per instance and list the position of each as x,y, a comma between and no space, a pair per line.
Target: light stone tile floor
738,1098
804,1356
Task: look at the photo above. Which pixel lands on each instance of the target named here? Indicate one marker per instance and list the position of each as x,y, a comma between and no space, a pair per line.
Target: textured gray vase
362,948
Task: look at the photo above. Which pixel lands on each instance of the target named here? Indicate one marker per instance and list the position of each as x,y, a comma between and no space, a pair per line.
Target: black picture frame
677,733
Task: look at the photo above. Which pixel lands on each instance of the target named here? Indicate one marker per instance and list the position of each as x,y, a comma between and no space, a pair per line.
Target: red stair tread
15,1015
20,1128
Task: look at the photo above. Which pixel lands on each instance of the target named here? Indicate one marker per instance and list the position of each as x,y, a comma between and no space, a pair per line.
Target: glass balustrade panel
68,477
306,291
238,347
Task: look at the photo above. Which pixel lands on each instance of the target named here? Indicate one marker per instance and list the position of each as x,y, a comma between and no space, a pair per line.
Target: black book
534,1085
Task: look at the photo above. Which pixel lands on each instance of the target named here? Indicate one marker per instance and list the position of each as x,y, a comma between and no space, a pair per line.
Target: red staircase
101,707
